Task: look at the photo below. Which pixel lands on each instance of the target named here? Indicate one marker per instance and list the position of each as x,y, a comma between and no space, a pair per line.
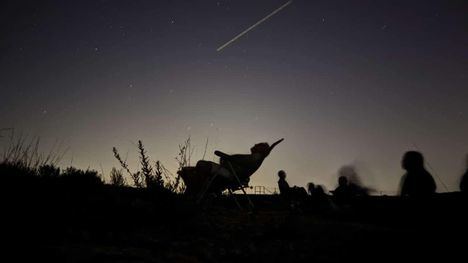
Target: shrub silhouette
80,178
116,177
136,177
18,175
48,171
155,177
152,177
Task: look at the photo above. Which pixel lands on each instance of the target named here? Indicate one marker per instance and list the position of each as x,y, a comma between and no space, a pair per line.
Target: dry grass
23,151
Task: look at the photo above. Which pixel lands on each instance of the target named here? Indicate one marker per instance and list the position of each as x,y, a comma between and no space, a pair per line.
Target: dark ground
119,224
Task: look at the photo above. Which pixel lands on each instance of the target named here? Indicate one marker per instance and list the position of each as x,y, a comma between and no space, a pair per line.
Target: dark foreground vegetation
71,216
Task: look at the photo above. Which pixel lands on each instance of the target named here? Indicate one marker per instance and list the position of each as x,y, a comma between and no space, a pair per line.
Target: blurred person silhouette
464,179
342,193
349,185
417,182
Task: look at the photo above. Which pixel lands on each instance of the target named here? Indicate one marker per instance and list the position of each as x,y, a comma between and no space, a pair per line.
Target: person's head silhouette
262,148
413,161
417,182
342,181
282,174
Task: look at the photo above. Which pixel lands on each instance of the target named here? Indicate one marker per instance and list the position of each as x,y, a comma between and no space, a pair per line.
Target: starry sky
344,82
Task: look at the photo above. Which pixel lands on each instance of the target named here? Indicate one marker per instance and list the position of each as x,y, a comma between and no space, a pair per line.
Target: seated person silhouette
283,184
417,182
319,192
244,165
287,191
342,193
318,200
349,186
464,179
232,172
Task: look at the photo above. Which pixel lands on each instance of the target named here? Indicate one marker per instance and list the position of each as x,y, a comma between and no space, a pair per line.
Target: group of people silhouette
234,170
417,182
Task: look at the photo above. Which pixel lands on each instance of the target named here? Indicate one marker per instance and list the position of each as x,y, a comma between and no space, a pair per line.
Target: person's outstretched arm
222,155
276,143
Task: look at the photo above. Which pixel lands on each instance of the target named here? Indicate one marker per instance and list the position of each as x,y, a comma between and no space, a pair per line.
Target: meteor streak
254,25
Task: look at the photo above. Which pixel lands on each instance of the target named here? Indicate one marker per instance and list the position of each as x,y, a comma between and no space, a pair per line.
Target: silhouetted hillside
71,216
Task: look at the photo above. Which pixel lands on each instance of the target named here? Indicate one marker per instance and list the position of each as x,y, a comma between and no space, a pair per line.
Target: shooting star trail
253,26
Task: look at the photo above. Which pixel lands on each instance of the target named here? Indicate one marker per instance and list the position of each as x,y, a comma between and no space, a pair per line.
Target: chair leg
251,205
207,186
235,199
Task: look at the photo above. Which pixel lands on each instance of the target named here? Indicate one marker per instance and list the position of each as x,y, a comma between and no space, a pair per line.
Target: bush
49,171
81,178
117,178
155,177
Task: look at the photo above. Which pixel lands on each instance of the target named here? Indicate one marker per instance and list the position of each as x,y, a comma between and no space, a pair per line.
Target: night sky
344,82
